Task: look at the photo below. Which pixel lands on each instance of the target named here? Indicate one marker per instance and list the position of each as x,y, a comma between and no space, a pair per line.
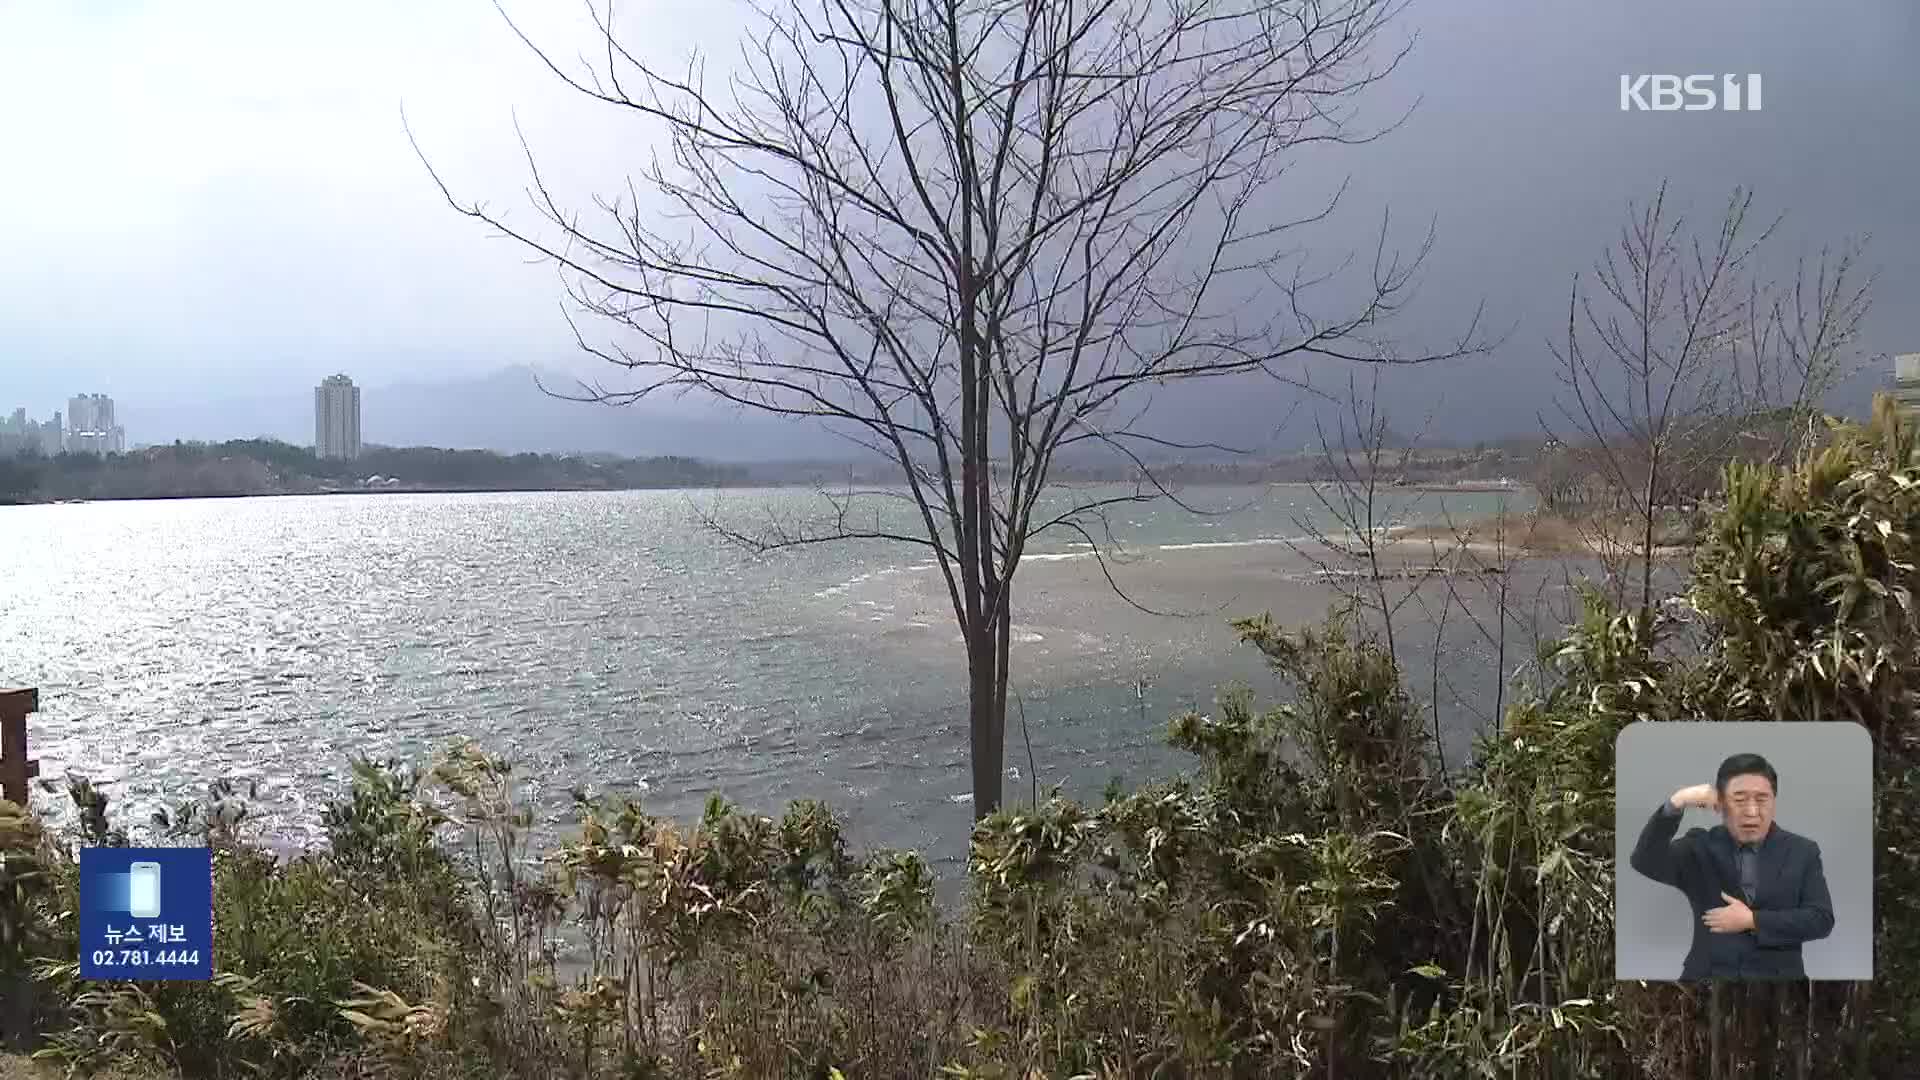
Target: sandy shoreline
1072,628
1166,604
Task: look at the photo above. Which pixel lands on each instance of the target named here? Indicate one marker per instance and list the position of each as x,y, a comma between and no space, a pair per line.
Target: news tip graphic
146,913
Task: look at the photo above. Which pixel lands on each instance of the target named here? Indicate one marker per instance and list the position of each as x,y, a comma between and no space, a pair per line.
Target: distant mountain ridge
506,411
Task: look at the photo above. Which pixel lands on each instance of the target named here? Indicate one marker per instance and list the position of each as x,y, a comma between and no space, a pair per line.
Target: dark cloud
232,205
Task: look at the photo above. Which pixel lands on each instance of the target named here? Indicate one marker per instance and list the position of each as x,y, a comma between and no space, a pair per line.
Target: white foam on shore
1264,541
1057,556
836,590
1119,551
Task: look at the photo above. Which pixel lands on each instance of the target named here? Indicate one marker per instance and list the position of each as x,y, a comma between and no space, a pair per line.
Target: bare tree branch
1679,360
970,235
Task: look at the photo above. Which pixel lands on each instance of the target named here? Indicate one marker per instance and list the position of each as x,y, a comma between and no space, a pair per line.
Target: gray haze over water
608,640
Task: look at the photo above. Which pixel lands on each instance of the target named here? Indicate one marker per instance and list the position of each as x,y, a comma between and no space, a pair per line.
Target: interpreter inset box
1745,851
146,913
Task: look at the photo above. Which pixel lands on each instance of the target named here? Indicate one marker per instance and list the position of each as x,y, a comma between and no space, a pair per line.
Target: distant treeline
268,467
271,467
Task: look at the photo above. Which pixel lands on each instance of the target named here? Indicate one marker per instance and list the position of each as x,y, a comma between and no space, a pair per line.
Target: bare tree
1349,543
1684,355
1364,543
1808,342
971,236
1346,542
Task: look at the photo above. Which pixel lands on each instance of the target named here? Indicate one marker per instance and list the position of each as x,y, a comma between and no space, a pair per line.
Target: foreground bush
1316,898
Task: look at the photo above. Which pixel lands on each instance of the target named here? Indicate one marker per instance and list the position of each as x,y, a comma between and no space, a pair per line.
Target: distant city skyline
505,411
20,433
88,426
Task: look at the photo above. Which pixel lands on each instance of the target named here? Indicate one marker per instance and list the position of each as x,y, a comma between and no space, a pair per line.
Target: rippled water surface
606,640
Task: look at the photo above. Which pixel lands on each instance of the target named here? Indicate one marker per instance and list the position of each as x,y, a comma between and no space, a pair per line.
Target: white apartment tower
336,418
90,426
1906,381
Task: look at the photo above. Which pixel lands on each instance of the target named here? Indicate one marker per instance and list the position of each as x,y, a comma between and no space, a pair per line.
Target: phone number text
144,957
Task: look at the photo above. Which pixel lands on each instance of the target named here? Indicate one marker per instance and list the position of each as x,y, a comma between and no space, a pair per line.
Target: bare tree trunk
1646,538
987,716
1002,669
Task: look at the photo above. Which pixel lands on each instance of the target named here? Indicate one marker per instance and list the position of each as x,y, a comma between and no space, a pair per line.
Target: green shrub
1315,898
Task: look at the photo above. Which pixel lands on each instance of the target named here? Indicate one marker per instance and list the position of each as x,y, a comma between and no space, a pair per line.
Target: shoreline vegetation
251,467
256,467
1319,895
1546,533
259,467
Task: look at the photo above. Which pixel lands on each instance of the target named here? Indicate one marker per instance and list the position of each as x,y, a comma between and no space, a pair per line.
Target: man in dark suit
1758,891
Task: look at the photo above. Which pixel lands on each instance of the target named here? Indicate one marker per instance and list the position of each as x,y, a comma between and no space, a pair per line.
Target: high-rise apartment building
91,428
19,435
1906,381
336,418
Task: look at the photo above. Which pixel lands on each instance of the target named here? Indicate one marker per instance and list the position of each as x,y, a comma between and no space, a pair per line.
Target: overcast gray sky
204,199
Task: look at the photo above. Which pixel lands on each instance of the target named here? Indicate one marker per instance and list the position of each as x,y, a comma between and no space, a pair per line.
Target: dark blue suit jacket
1792,906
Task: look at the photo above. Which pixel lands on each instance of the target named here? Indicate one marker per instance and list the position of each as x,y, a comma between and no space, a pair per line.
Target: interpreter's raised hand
1701,795
1735,918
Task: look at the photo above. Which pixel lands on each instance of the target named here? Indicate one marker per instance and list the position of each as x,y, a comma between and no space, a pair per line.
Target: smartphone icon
143,890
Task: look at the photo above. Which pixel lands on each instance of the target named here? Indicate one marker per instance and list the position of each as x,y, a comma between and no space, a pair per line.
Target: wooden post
15,769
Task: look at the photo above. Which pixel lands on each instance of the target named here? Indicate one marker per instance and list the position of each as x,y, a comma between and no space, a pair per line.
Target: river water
612,641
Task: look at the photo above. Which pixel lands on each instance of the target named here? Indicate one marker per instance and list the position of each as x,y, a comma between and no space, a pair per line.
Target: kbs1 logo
1689,93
